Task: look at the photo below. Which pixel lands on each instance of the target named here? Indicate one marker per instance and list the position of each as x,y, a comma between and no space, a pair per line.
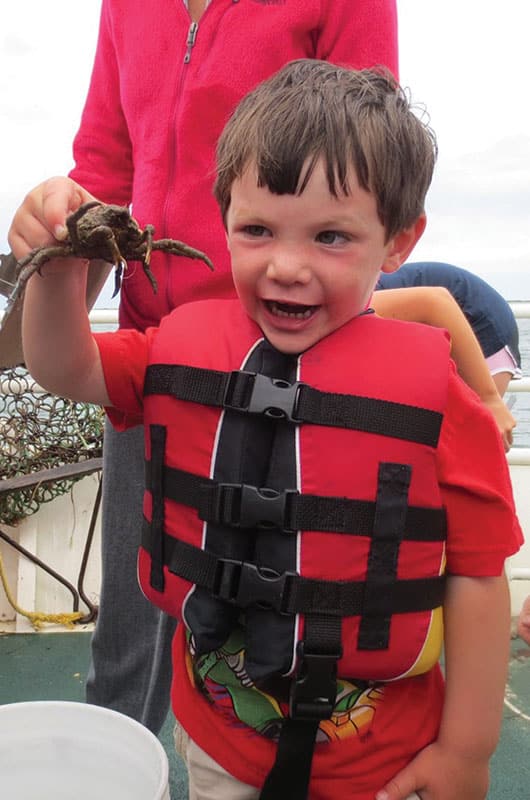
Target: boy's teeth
285,310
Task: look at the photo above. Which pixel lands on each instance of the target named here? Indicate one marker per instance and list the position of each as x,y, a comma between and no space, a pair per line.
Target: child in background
477,331
486,310
315,501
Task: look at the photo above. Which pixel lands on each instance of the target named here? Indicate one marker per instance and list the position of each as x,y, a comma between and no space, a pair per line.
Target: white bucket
66,751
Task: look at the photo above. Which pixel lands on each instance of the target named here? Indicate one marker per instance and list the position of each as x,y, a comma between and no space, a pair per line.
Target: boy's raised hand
438,773
40,220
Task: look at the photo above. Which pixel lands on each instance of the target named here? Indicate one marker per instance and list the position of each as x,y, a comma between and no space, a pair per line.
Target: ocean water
521,400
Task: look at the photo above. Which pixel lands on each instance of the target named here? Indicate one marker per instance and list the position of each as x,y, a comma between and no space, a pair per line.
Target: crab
108,233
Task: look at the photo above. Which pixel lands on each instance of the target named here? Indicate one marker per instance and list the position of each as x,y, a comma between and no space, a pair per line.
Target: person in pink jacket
166,77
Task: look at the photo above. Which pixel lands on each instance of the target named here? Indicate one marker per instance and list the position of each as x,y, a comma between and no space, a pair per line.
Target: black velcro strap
242,583
196,385
157,435
346,598
370,415
291,771
244,506
253,393
312,698
389,529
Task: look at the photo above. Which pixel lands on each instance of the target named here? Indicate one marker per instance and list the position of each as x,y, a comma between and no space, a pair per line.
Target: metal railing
109,316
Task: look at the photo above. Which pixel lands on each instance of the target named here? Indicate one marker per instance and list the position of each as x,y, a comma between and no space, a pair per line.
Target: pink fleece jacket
161,91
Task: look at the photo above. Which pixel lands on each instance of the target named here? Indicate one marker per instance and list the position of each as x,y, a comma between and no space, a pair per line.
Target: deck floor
52,666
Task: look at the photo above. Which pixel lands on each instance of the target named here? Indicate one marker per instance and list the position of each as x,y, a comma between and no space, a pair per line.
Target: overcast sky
465,60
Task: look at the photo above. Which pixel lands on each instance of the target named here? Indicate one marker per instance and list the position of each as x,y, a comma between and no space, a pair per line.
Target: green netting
40,431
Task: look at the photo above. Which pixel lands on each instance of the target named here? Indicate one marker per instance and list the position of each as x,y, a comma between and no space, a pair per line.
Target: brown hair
311,109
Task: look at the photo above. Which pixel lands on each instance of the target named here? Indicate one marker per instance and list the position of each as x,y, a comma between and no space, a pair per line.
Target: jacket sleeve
102,148
360,34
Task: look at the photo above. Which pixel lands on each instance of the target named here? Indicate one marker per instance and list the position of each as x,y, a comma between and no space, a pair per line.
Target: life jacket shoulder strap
252,393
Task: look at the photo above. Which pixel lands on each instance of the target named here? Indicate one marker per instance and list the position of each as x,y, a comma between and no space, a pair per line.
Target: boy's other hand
438,773
40,220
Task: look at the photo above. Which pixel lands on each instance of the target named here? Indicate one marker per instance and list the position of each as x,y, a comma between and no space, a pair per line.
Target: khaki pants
208,780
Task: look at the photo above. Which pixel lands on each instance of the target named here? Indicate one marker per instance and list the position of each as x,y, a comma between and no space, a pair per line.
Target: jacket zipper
190,41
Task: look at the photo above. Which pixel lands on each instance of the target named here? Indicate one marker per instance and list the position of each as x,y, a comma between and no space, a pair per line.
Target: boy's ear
402,244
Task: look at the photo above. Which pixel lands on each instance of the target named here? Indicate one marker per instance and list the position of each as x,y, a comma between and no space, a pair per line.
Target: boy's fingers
401,787
61,196
26,233
41,218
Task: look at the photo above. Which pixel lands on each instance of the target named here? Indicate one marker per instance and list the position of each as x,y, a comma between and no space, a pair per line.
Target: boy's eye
255,230
331,237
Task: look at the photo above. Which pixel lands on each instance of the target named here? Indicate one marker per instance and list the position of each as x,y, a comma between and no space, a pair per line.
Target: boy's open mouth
290,310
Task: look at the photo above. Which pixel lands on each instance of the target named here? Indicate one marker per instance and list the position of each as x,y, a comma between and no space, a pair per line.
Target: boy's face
305,265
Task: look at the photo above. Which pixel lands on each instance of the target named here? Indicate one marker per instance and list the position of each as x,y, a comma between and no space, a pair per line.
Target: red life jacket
297,496
300,489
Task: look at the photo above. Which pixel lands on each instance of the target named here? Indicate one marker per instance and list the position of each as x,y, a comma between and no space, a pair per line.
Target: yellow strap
37,618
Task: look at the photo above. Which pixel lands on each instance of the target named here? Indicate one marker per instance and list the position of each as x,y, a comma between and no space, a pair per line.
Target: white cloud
467,61
479,212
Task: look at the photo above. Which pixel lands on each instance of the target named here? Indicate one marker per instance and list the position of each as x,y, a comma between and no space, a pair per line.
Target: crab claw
118,272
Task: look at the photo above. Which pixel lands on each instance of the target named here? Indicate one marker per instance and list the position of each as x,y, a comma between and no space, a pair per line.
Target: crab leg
118,272
177,248
118,262
148,237
33,263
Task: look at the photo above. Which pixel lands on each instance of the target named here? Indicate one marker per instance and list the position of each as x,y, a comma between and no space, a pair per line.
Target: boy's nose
289,266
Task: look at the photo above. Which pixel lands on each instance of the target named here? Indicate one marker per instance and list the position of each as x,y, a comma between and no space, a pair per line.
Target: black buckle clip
314,690
272,397
245,584
244,506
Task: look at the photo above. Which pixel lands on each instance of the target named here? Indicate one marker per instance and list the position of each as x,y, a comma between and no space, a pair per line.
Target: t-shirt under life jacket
298,494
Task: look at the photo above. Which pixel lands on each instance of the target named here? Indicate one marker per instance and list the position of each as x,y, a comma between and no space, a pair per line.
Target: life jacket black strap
244,506
390,521
312,699
314,688
252,393
291,772
242,583
157,436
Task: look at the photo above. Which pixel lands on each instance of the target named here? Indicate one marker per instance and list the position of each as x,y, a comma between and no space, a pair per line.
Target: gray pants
131,646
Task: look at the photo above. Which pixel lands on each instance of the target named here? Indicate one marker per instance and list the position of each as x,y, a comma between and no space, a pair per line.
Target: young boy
315,490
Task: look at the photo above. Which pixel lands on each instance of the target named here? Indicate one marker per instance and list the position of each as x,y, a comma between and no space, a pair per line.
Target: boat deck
52,666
